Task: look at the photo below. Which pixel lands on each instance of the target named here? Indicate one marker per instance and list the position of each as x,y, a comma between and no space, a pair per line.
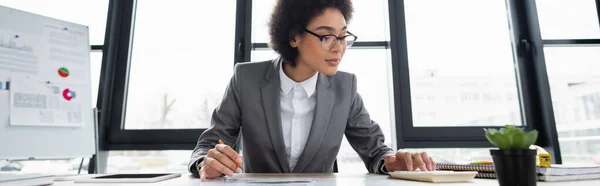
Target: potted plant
514,161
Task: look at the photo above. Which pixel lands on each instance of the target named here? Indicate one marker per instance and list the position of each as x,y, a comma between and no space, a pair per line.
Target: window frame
531,77
112,99
564,43
114,83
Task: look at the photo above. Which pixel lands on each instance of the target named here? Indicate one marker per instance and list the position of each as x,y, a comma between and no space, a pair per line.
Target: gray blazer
251,107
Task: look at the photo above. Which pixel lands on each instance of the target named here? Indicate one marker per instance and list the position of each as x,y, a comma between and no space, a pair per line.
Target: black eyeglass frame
322,37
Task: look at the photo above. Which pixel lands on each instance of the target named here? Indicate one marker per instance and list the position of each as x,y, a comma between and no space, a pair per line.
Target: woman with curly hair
293,111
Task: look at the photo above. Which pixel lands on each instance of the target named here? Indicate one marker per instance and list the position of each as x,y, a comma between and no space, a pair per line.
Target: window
90,13
261,12
172,161
263,55
370,20
461,57
568,19
374,87
575,89
452,74
181,62
96,67
52,166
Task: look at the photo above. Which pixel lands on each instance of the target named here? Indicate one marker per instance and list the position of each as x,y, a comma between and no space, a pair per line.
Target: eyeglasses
327,41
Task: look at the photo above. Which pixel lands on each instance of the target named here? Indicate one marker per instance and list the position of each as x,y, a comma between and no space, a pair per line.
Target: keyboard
435,176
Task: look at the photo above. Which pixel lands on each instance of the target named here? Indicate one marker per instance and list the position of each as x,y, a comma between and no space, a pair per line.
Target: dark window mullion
534,88
598,12
572,42
97,47
400,72
243,30
113,84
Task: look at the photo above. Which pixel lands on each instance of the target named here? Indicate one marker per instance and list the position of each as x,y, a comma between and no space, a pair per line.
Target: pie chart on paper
63,72
68,94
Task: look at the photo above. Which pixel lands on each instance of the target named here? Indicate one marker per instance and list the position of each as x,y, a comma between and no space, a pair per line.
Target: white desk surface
326,179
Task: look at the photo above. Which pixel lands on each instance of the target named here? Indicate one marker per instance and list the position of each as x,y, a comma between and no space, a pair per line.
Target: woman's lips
333,62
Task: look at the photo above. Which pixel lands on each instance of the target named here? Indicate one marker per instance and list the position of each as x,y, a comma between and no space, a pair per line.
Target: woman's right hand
220,160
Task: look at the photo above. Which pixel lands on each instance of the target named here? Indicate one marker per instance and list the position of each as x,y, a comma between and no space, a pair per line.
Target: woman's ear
295,41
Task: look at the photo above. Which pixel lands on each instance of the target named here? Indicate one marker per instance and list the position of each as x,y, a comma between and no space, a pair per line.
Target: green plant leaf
530,138
511,133
503,130
511,137
497,139
517,140
488,136
490,130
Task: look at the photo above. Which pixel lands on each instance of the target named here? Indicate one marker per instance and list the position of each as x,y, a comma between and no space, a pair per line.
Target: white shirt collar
287,84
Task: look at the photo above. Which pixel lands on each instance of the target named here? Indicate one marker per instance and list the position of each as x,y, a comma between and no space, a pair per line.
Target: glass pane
457,80
373,85
179,66
56,166
372,68
568,19
90,13
172,161
263,55
575,87
96,67
261,13
370,18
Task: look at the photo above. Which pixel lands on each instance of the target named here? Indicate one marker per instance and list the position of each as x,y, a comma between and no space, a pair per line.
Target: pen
237,163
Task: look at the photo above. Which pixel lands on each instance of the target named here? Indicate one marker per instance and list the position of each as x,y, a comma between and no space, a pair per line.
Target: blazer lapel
272,109
325,101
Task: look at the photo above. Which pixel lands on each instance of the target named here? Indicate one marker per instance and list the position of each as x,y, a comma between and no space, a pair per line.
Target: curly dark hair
290,18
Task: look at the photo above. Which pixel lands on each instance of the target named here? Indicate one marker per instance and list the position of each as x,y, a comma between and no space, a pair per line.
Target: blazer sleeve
225,124
365,135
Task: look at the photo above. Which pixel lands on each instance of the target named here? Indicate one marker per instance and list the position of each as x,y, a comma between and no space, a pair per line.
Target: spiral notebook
555,170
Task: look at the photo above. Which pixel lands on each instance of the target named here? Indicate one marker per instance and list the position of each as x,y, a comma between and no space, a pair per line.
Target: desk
331,179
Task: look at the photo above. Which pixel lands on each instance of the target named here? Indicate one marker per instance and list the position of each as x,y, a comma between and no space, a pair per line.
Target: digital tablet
128,178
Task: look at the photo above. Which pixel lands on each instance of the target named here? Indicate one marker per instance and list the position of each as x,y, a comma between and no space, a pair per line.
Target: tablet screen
117,176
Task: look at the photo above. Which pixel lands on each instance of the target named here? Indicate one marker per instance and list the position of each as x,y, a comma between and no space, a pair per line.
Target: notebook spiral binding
465,167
